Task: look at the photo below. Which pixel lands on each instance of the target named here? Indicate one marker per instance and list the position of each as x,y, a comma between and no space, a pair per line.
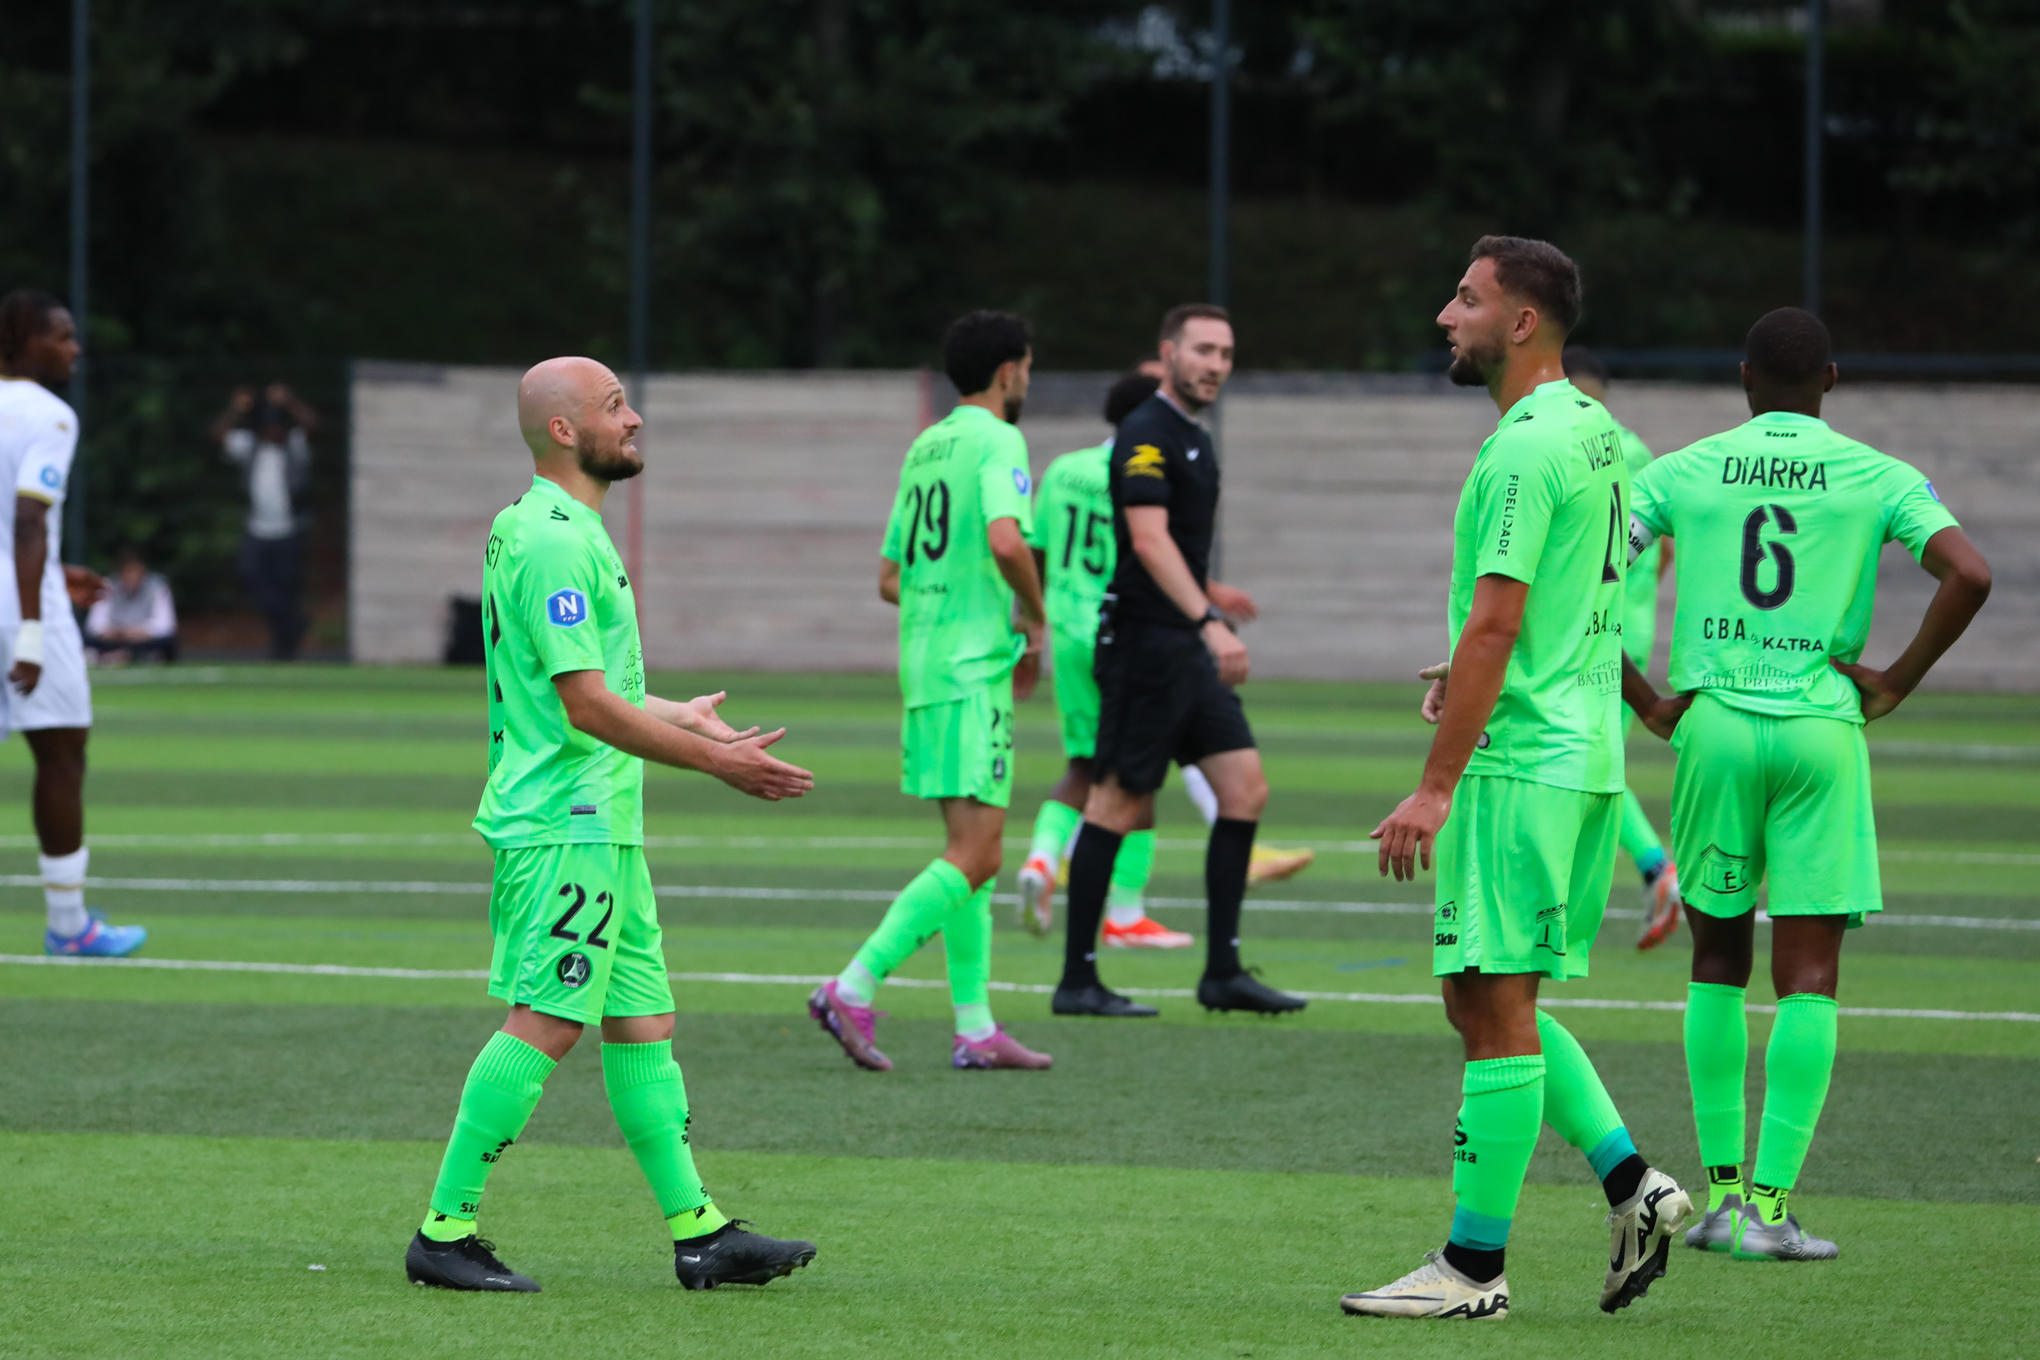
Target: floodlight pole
1810,244
640,264
1218,283
80,299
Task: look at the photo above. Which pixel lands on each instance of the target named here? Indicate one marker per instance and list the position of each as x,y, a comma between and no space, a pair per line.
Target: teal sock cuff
1611,1152
1481,1232
507,1060
1501,1074
627,1065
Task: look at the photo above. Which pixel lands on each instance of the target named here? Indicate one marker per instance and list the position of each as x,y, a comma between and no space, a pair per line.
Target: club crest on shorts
566,608
1723,873
574,970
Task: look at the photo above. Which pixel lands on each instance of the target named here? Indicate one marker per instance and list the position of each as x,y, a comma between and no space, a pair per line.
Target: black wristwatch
1212,615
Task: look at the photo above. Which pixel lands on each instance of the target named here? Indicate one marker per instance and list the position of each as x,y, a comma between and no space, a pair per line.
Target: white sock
63,879
1200,791
856,985
1123,912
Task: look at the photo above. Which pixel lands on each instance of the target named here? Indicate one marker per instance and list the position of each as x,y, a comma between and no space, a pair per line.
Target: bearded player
577,939
957,564
1521,795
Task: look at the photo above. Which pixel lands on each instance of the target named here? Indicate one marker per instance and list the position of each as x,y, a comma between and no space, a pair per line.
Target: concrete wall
766,498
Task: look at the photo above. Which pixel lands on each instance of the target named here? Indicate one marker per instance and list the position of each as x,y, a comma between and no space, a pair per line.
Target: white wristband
28,642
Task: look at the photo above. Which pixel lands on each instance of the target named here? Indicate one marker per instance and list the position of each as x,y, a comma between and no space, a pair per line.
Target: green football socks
503,1087
1053,827
1717,1050
1125,899
1639,838
1577,1105
649,1100
1797,1066
916,916
967,943
1499,1118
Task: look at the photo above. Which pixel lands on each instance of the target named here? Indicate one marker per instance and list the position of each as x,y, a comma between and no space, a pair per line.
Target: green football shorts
1076,692
1523,876
1789,797
961,749
577,932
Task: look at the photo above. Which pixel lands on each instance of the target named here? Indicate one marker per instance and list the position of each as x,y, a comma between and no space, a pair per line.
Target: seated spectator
135,619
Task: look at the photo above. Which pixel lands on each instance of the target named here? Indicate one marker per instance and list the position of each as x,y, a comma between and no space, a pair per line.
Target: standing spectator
135,618
270,443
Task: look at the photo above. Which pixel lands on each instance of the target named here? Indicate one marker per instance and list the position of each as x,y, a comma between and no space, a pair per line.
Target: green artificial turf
179,1143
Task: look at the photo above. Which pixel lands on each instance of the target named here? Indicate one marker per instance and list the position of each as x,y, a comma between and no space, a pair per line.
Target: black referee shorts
1159,699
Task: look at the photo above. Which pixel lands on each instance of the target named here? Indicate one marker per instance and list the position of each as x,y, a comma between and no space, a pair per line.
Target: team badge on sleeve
53,479
566,608
1021,482
1146,462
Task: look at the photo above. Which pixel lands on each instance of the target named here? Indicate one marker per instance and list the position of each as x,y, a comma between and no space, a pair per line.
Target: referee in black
1167,662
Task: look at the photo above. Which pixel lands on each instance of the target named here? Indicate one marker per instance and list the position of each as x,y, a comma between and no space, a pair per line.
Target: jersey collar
1170,402
1537,393
546,486
1787,418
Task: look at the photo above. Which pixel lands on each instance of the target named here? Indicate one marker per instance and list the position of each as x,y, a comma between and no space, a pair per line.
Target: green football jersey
555,599
1545,504
1639,600
1073,530
1779,524
956,610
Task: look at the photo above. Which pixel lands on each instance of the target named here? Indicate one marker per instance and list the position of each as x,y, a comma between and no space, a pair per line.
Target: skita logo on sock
493,1156
574,970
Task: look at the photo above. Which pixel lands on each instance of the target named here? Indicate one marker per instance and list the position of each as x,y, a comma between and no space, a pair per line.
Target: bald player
576,929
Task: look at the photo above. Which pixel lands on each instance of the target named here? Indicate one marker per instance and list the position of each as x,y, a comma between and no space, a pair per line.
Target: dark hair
1130,391
130,552
977,343
1581,362
1181,315
24,315
1789,345
1537,270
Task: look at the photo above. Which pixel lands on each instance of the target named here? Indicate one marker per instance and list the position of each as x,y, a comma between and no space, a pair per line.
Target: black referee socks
1225,886
1090,877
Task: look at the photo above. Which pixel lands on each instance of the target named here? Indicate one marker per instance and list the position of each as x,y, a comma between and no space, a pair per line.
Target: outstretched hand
1878,693
703,720
1408,833
748,768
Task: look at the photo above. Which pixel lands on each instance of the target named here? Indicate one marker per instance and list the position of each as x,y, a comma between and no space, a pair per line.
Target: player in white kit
47,698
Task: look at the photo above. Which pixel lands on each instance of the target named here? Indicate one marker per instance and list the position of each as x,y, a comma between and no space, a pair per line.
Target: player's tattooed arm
1148,527
698,716
1950,558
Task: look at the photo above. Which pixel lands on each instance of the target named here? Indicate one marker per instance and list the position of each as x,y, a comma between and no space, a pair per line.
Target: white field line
930,984
427,887
228,840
